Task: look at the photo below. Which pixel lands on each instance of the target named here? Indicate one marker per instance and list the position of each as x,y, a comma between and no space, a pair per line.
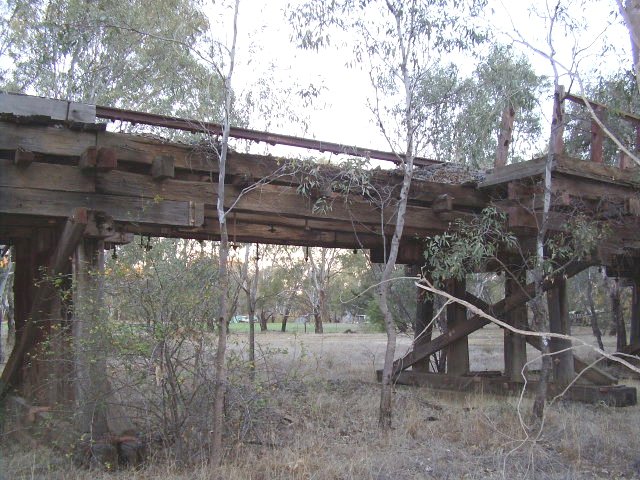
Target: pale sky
340,114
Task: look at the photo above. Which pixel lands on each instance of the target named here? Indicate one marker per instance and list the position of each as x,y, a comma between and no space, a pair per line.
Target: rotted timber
478,382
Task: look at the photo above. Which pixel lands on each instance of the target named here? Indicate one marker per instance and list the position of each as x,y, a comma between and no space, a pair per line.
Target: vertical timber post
421,325
515,346
563,367
458,351
90,357
635,310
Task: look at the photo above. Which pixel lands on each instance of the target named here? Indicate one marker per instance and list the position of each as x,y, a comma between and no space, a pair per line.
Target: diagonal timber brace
477,322
67,243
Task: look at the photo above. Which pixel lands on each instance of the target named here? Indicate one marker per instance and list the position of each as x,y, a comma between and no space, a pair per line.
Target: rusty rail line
194,126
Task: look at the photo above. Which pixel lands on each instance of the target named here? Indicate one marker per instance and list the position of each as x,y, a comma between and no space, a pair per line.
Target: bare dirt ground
319,421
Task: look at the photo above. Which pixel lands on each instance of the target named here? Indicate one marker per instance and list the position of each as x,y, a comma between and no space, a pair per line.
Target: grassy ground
319,421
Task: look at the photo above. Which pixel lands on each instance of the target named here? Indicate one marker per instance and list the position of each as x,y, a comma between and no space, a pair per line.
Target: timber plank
27,105
514,171
614,396
267,199
46,140
45,176
595,171
591,189
27,201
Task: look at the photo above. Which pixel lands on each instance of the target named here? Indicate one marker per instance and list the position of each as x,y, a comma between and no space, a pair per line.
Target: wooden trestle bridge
69,189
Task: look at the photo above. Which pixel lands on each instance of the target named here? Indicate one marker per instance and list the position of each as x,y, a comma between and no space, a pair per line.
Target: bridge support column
515,346
423,326
635,310
91,384
38,367
458,351
563,366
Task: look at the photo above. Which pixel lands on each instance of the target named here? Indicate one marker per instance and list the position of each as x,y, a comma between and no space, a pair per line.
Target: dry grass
319,422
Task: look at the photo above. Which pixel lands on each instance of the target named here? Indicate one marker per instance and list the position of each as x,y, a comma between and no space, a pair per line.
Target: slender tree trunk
634,334
593,314
617,316
253,294
263,321
386,397
91,384
285,317
539,305
223,263
321,315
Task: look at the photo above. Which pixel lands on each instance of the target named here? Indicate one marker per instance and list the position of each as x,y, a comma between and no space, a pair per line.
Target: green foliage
468,246
319,181
619,92
135,56
466,119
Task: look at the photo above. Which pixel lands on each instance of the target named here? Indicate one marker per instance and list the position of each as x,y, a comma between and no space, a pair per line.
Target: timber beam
477,382
476,322
67,242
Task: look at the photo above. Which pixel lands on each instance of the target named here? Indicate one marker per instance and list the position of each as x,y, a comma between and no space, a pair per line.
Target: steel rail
177,123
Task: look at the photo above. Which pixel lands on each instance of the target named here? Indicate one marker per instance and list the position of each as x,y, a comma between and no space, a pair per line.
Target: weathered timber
476,322
90,366
23,158
561,165
504,136
44,295
457,351
563,368
615,396
634,336
558,121
597,138
515,346
26,106
142,150
514,171
443,203
253,135
592,189
163,167
590,373
600,106
98,159
423,320
27,201
46,176
278,234
595,171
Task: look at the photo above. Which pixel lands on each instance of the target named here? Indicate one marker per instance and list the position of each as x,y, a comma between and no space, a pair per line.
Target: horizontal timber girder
476,322
185,206
155,187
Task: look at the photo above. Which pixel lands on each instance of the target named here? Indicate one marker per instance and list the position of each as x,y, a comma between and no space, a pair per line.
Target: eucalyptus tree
469,109
398,43
136,55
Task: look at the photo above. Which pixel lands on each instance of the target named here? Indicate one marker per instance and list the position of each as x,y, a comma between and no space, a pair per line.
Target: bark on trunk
634,336
263,321
321,316
593,314
92,388
617,316
285,318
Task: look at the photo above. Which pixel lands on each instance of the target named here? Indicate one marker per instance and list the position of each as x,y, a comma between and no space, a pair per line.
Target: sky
266,54
270,65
